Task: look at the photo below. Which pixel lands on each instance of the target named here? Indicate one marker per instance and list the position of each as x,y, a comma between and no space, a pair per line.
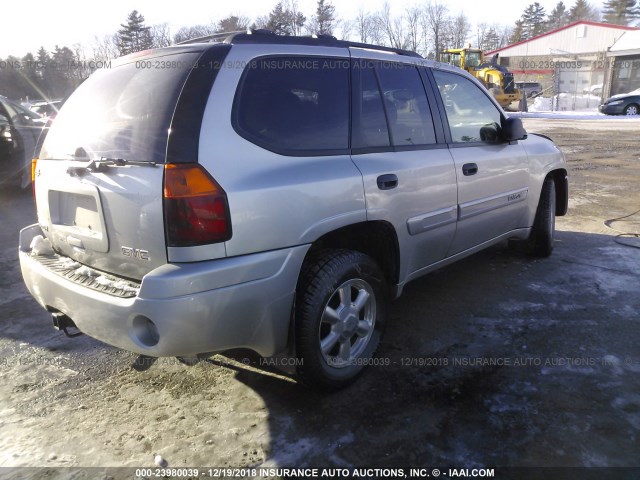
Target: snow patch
86,271
118,284
69,263
40,246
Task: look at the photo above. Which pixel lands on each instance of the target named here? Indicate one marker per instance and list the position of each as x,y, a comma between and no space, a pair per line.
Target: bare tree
414,33
160,35
435,21
364,26
295,17
504,33
460,30
105,48
392,27
344,28
195,31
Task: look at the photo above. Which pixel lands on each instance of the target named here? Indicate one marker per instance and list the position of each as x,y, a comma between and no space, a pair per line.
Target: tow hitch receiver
62,322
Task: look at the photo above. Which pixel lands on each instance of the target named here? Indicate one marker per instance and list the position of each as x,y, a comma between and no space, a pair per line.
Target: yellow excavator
496,78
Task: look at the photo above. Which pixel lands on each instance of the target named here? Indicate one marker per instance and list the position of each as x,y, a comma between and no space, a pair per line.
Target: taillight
34,162
196,211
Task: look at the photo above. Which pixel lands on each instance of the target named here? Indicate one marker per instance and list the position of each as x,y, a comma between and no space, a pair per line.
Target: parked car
19,130
594,90
48,110
529,89
623,104
275,207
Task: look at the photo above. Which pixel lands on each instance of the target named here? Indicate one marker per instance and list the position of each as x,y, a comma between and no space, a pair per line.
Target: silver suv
274,193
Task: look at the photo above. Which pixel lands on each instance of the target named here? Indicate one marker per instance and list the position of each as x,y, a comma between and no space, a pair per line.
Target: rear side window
295,105
390,107
406,104
369,121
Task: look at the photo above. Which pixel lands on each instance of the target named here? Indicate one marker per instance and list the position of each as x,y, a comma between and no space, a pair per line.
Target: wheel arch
561,182
377,239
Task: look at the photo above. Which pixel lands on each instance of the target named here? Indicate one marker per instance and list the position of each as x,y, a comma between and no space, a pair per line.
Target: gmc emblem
135,253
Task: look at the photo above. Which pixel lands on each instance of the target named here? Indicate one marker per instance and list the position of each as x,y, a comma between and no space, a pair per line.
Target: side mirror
490,133
513,130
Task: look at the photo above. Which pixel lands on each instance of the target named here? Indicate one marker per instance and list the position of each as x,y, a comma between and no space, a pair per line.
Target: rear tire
544,225
340,305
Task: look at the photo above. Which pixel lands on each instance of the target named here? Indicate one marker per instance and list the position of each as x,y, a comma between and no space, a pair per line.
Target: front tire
340,305
632,109
544,225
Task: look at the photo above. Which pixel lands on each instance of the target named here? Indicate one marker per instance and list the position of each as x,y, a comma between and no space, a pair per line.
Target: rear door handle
387,182
469,169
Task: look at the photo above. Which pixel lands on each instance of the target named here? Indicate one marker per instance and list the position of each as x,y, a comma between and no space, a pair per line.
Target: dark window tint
406,104
472,116
123,112
369,122
295,104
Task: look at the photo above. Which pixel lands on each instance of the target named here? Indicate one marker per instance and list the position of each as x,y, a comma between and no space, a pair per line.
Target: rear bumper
240,302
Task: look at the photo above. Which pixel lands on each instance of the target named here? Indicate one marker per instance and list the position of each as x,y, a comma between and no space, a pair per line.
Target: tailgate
111,220
99,179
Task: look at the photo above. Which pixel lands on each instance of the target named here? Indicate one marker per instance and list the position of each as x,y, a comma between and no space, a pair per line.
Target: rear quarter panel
276,201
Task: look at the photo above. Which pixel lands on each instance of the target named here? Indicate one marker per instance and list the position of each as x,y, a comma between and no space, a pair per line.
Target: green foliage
533,21
285,19
559,17
621,12
582,10
325,18
134,36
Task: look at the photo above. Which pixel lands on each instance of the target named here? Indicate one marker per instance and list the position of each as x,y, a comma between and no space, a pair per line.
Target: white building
569,59
624,56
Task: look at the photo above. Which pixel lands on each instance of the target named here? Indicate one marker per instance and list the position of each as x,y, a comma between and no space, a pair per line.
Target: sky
28,25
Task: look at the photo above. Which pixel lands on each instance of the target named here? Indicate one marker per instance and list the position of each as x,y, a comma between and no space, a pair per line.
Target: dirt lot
498,360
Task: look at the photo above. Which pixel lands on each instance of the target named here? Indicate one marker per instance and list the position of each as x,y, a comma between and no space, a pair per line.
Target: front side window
471,115
293,105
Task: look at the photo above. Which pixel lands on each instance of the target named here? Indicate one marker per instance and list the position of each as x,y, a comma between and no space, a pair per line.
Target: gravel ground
498,360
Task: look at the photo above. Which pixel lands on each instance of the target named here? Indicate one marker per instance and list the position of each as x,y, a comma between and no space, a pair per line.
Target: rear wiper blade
120,162
99,165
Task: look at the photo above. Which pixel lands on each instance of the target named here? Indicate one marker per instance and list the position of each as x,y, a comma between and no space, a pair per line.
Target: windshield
451,59
473,59
124,112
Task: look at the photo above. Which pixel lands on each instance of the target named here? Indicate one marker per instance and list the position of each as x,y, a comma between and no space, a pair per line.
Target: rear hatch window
122,112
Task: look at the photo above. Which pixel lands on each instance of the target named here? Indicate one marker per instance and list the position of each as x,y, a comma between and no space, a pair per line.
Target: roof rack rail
214,37
268,37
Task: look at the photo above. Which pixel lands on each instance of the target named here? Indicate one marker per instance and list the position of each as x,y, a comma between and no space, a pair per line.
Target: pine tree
233,23
285,19
582,10
620,12
325,18
533,20
558,17
134,35
517,34
491,40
